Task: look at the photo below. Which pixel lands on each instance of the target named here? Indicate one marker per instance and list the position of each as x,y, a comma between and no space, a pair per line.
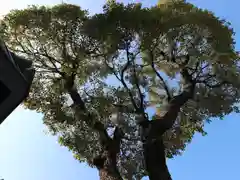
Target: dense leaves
127,61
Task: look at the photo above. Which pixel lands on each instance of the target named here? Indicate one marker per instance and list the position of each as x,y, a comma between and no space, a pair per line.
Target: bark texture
107,168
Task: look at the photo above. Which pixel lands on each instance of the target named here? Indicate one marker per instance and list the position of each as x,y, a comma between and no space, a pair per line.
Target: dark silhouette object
16,76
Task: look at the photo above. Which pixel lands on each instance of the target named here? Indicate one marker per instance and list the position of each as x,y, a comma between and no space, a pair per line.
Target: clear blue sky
27,153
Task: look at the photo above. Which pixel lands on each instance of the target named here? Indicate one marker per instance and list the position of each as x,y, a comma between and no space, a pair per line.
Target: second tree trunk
155,160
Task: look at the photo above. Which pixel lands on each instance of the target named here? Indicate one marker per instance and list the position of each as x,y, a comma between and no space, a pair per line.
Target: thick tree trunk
155,160
104,175
154,150
107,167
106,163
109,173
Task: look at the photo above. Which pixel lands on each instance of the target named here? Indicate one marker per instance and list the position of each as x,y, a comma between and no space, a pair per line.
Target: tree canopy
127,63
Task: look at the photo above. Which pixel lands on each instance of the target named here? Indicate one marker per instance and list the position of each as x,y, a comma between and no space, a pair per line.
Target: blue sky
28,153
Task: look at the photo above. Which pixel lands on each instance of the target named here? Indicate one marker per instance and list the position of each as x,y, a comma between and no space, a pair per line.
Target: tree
140,49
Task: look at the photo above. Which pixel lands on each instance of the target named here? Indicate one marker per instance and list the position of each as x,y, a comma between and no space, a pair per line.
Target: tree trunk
107,167
104,174
155,160
106,163
154,149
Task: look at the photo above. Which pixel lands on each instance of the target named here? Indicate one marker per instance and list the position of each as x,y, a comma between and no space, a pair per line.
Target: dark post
16,76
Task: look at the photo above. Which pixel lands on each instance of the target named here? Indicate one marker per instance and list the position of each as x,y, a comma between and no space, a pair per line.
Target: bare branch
166,88
204,67
121,78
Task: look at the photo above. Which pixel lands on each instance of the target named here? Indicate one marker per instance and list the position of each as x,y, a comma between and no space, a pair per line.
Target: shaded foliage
123,60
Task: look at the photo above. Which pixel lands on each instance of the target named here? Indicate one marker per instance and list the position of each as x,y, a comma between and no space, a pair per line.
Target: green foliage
63,39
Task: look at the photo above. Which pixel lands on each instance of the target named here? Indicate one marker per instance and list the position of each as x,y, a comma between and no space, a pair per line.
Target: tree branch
159,76
121,79
117,137
166,122
81,108
140,94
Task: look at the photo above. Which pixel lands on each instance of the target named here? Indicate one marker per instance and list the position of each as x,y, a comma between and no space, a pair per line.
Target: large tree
103,81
